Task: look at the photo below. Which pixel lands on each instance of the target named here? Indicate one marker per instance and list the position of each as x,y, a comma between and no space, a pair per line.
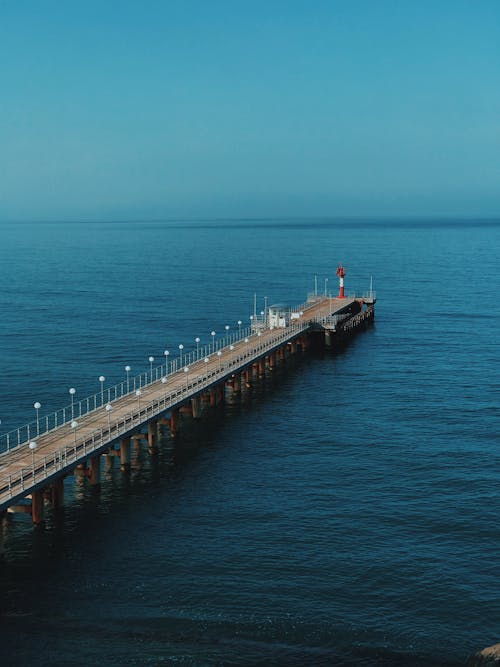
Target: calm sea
345,512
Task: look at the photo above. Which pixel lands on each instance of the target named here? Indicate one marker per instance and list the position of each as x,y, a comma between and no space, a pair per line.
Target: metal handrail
59,459
54,420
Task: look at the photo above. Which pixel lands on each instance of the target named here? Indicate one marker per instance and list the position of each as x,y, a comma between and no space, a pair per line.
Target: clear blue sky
152,109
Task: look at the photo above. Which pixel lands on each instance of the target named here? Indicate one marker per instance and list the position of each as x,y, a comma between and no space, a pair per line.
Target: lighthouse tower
341,273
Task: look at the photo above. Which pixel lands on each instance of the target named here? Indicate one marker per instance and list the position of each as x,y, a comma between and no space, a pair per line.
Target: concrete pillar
272,361
37,507
57,493
221,392
108,460
174,422
95,471
196,407
248,377
262,367
152,435
237,383
213,397
125,454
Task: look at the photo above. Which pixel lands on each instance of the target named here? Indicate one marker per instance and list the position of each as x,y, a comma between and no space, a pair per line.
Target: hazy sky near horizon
130,110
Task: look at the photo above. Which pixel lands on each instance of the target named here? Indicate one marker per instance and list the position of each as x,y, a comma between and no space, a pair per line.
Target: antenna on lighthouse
341,271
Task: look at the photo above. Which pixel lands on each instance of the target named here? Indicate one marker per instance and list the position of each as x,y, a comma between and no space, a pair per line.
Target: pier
35,459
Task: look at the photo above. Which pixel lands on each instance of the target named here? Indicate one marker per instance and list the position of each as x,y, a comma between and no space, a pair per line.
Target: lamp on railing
127,371
239,328
151,359
181,347
138,393
219,354
109,407
231,348
246,346
37,407
33,445
166,353
102,379
74,426
72,392
227,331
212,333
197,341
163,380
206,360
186,371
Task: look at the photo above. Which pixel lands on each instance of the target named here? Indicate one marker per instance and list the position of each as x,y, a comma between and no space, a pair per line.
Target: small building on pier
278,316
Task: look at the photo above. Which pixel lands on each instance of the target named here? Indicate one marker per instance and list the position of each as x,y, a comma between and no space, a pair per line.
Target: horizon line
448,217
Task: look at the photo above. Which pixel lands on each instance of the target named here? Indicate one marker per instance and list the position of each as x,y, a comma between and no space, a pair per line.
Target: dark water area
342,512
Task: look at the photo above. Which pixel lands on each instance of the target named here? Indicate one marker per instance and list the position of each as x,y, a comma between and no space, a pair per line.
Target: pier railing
42,468
79,408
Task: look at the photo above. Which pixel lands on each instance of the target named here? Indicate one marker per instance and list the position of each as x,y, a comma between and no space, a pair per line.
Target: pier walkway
39,456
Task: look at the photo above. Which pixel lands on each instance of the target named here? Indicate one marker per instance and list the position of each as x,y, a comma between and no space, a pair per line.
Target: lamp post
227,332
181,347
74,426
251,322
166,353
212,333
231,348
186,371
219,354
33,445
127,371
138,393
102,380
109,407
246,346
262,313
326,286
72,392
37,407
197,341
206,360
151,359
239,328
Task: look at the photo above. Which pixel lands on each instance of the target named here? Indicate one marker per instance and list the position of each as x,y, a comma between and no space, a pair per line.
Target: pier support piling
95,471
57,493
37,507
174,422
125,454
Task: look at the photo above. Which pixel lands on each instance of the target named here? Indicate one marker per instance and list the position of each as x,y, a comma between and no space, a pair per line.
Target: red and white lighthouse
341,273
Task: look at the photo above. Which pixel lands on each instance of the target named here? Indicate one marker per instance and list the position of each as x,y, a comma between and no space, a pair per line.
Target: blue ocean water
344,512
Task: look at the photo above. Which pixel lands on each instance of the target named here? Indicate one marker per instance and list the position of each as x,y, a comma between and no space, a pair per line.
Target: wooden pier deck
36,473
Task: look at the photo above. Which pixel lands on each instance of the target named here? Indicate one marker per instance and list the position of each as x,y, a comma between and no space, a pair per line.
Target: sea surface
345,511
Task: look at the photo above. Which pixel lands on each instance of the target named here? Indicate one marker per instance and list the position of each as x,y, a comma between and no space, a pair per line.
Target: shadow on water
173,458
84,531
65,527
